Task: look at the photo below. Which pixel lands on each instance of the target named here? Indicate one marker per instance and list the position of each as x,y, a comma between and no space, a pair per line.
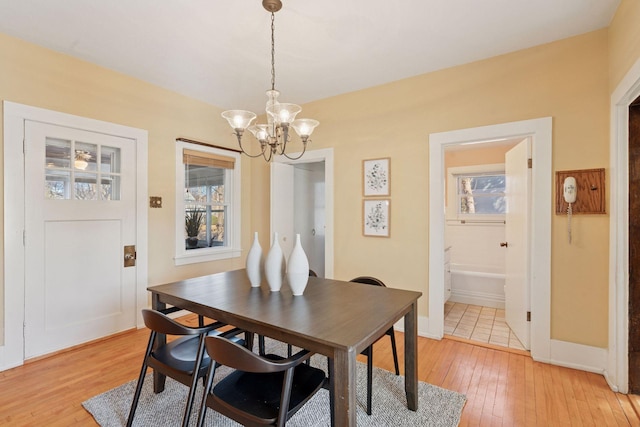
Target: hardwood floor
502,388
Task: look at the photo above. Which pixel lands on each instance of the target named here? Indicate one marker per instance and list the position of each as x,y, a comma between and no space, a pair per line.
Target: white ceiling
218,51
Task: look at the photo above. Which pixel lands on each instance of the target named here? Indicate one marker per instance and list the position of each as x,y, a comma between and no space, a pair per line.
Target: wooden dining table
335,318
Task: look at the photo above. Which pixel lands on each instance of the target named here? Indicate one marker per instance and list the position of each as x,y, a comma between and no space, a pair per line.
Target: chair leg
194,381
395,352
261,345
369,378
136,395
207,389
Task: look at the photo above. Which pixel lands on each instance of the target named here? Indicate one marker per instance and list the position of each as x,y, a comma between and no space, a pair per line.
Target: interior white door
80,212
517,283
282,205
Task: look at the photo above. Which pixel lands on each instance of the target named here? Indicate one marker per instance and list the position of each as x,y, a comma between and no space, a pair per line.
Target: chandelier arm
245,152
304,148
268,158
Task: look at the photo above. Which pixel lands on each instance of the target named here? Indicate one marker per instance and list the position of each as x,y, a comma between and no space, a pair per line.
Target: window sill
491,220
206,256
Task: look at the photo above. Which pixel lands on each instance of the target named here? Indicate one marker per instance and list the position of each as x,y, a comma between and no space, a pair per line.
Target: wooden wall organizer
590,197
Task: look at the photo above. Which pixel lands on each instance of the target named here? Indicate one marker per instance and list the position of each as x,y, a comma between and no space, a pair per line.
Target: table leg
161,339
343,379
411,357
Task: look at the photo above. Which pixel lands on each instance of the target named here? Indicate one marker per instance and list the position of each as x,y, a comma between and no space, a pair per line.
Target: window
91,173
208,203
476,192
480,194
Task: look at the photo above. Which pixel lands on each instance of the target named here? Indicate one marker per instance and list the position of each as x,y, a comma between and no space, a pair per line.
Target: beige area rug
436,406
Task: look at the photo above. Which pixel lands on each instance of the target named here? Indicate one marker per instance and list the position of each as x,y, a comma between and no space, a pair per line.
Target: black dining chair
262,390
182,359
367,280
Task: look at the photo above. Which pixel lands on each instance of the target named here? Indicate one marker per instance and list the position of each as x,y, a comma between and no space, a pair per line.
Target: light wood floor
502,388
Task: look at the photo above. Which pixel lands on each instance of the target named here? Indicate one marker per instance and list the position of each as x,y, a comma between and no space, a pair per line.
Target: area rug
436,406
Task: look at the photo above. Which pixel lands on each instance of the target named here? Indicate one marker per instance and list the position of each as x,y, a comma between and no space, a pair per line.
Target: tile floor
477,323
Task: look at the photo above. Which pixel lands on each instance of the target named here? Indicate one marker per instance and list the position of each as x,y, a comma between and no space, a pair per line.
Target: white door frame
314,156
12,352
617,372
540,131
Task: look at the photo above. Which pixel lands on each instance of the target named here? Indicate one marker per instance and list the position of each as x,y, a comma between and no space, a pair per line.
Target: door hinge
528,316
530,163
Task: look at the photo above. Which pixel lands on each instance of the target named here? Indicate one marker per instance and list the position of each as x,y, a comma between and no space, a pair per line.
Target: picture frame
376,177
376,219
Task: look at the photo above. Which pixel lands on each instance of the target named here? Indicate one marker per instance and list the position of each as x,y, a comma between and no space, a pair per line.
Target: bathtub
478,285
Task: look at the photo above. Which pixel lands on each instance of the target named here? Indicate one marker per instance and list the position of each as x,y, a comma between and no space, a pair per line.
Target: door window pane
109,159
85,186
57,184
76,176
57,153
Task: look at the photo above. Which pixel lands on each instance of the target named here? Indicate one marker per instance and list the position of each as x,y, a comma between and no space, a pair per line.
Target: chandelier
273,136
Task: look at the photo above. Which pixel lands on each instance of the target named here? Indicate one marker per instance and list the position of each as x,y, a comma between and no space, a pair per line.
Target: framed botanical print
375,217
376,177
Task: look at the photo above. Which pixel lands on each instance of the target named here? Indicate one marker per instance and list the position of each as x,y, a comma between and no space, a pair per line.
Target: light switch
155,202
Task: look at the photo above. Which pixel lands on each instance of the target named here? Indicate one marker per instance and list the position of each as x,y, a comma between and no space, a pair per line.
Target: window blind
198,158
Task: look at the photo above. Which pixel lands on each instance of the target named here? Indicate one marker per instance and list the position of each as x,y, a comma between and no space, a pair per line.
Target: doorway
539,131
487,241
619,363
18,268
302,203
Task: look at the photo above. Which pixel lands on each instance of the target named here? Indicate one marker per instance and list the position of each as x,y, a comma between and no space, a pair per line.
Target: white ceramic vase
274,264
254,262
298,268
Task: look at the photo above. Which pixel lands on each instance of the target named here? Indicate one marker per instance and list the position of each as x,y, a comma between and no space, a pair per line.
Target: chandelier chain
273,52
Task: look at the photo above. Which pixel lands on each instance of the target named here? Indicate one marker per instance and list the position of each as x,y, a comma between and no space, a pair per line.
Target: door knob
504,244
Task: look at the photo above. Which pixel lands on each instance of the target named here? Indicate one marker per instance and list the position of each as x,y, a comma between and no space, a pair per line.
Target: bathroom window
476,193
481,194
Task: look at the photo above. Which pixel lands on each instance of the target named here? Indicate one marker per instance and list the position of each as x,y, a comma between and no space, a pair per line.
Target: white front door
517,295
80,212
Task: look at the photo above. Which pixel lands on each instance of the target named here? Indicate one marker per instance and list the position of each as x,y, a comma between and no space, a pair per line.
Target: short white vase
273,265
254,262
298,268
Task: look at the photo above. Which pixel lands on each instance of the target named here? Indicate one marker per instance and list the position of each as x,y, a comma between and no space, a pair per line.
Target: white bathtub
478,285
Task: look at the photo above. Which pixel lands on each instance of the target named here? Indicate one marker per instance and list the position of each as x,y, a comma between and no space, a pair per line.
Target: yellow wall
567,80
43,78
624,41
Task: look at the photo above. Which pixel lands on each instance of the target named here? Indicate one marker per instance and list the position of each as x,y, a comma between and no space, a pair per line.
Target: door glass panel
85,156
85,186
57,153
109,159
110,187
57,184
84,172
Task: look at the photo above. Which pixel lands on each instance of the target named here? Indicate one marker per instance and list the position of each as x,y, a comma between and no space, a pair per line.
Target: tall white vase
298,268
254,262
273,265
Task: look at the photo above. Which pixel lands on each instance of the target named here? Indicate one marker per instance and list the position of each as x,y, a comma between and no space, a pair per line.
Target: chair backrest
163,324
233,355
368,280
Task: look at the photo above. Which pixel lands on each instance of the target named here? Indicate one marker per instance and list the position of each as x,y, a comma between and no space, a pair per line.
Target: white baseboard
563,353
477,298
578,356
